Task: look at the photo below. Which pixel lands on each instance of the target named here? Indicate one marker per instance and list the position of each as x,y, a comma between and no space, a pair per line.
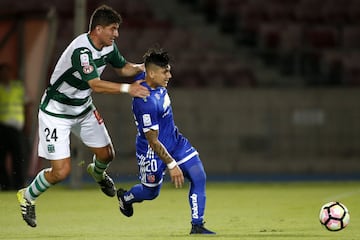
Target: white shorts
54,134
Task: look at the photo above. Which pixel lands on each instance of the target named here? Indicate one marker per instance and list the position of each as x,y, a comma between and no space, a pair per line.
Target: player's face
162,76
108,34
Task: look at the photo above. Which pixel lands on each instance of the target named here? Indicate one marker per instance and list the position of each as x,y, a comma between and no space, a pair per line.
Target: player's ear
151,73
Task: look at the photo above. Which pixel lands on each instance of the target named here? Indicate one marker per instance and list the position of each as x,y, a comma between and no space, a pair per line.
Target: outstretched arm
134,89
176,174
130,69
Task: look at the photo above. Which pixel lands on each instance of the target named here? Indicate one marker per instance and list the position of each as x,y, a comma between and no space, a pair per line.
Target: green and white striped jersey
69,94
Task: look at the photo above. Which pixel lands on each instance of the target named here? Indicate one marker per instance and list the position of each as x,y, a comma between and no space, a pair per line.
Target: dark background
265,89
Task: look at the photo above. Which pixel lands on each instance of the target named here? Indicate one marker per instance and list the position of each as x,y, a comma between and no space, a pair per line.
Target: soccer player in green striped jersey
66,106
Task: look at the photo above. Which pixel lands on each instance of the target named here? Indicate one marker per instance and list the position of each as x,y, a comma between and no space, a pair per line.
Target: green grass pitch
254,211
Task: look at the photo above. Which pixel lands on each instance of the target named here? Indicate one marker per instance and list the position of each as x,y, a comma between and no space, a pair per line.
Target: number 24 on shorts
50,135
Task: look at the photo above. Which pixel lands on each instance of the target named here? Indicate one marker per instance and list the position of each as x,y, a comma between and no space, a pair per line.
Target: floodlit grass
254,211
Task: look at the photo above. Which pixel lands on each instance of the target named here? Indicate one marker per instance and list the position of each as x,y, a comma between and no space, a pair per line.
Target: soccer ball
334,216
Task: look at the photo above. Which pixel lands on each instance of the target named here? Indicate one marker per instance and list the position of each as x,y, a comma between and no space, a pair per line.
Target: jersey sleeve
145,111
84,64
116,59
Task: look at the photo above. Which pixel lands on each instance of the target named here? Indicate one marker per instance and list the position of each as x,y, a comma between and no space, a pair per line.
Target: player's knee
202,177
198,175
108,158
152,195
111,155
199,178
58,175
152,192
106,154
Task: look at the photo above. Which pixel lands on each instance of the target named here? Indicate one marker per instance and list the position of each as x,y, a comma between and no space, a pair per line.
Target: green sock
38,186
99,168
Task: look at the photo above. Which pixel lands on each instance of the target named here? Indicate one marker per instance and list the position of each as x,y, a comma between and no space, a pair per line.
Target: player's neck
151,84
95,41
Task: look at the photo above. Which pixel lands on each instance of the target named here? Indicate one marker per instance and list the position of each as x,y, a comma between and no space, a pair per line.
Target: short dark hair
104,16
157,56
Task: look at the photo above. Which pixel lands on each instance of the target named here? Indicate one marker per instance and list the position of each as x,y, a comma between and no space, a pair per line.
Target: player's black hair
104,16
157,56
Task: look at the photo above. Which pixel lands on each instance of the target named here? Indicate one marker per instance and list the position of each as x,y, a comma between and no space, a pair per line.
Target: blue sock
139,193
197,194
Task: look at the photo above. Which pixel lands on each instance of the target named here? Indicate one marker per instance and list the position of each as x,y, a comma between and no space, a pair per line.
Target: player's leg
59,170
140,192
92,131
97,169
194,171
54,145
151,177
136,194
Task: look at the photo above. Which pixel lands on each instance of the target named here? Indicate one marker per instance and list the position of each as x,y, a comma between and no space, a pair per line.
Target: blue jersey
155,112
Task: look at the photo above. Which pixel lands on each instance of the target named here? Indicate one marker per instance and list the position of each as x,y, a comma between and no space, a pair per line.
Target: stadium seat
352,68
336,12
354,12
321,36
351,37
307,11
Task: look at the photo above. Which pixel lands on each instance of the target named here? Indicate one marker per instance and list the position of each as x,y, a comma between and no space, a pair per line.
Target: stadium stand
227,51
280,40
294,36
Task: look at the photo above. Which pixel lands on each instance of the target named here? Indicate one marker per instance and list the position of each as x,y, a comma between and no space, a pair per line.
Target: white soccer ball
334,216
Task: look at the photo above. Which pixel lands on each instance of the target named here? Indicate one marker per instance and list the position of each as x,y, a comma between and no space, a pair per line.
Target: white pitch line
342,196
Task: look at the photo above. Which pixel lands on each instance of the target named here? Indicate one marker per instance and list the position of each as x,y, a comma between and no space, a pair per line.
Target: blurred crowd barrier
251,132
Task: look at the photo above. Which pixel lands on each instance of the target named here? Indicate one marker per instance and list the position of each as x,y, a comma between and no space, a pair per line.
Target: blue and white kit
155,113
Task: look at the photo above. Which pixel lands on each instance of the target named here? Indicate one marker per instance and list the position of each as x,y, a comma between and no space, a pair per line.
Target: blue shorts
152,169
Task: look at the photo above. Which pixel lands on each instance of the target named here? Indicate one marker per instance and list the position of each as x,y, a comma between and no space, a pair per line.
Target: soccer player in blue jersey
160,146
67,107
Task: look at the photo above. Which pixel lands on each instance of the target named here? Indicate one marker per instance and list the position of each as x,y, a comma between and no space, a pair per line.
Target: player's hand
137,90
177,176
